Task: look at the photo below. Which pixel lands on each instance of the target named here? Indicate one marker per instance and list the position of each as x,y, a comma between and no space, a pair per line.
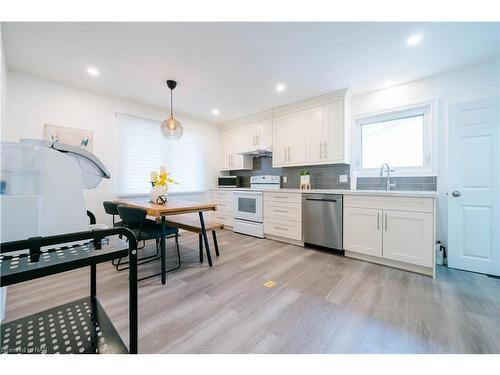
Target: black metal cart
80,326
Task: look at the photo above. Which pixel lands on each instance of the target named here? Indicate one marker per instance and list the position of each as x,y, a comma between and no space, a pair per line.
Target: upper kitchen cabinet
233,145
316,134
289,143
259,136
326,130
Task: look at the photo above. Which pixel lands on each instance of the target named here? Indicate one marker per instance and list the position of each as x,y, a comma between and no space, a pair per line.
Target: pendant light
171,128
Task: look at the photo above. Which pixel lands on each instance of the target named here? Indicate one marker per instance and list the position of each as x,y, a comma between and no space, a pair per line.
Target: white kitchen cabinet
336,147
283,216
224,200
407,236
326,129
396,231
289,144
316,134
363,230
280,140
259,135
233,143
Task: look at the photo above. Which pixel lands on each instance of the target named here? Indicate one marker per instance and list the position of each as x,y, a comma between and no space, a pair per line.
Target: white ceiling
235,66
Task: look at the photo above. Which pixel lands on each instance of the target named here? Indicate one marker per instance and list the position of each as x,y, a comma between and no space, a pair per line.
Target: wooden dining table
161,211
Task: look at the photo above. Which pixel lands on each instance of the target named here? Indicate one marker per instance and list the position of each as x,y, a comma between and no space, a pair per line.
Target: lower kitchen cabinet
224,200
363,231
408,237
283,216
394,231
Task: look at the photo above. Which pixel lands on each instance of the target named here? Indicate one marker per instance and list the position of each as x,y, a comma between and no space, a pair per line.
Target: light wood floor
322,303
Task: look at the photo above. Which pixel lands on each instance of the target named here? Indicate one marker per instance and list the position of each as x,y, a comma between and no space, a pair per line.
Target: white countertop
392,193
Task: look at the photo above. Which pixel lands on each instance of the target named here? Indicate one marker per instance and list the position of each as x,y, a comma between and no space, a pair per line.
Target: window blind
142,149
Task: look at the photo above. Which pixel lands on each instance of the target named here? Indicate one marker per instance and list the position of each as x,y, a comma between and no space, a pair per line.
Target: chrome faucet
388,185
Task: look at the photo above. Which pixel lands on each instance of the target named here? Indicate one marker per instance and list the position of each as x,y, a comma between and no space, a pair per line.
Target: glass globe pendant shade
171,128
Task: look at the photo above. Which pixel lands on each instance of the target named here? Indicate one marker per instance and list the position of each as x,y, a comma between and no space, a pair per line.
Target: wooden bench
192,224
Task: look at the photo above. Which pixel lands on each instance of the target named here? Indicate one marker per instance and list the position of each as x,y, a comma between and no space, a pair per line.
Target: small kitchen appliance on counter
248,205
229,182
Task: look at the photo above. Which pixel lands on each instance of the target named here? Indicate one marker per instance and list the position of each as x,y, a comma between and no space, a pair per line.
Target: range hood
258,152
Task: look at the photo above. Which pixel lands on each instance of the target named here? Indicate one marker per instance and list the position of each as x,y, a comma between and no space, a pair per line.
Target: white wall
461,85
33,102
3,82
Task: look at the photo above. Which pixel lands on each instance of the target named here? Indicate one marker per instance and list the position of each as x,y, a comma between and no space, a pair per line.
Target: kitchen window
142,149
403,138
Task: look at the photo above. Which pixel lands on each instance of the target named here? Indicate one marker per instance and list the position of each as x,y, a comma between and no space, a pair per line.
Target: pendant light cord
171,105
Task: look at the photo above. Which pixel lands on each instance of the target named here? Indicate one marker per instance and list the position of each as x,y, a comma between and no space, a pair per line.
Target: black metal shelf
20,267
80,326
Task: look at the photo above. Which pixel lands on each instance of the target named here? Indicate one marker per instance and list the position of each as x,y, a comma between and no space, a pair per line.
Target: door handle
285,152
325,151
321,200
378,221
386,222
456,193
289,157
321,150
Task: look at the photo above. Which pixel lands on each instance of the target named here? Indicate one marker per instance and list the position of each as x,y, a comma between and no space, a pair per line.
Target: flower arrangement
159,182
162,178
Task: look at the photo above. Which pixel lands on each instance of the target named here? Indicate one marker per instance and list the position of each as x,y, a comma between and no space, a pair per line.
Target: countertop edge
392,193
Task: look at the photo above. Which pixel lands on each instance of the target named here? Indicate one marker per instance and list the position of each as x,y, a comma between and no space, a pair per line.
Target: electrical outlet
343,178
285,179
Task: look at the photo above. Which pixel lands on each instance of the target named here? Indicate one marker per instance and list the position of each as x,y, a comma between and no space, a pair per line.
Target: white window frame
119,167
430,111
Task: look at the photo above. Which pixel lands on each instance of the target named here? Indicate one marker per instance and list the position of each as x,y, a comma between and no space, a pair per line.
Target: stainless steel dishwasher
322,220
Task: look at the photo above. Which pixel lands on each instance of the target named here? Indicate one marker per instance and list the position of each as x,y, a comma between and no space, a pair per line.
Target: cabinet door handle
386,222
325,150
289,153
285,152
280,196
378,221
281,210
280,228
320,150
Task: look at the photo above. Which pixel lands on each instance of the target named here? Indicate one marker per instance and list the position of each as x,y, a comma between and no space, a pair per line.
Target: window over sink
404,138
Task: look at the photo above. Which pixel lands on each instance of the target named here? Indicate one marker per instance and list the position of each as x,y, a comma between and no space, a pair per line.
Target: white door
473,190
237,146
363,231
250,137
297,139
335,137
265,133
281,126
226,151
408,237
315,137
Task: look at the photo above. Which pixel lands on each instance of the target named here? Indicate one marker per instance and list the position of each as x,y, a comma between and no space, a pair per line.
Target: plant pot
159,195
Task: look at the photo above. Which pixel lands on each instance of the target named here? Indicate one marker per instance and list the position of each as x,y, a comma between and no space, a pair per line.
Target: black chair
91,217
112,209
143,229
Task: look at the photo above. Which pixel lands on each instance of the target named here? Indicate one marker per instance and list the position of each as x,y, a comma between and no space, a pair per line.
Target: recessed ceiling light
215,111
388,83
280,87
92,71
414,40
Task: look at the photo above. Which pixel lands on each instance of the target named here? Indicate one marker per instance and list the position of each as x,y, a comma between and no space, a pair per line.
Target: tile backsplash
402,183
328,177
322,176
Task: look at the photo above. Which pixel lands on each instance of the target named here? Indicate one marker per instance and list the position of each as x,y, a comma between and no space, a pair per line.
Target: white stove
248,205
265,182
